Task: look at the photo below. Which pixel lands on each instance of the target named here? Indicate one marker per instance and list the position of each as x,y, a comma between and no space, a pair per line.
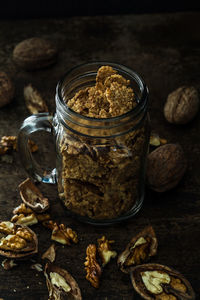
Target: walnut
32,196
165,167
34,101
50,253
18,243
34,53
92,267
139,249
105,250
182,105
7,89
60,283
61,234
154,281
8,264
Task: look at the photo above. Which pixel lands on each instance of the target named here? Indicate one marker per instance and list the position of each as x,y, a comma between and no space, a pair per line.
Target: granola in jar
101,177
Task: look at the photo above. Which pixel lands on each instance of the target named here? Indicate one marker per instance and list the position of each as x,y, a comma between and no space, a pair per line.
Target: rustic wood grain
165,50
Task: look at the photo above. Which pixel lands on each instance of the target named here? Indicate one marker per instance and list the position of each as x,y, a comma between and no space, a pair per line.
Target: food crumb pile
111,96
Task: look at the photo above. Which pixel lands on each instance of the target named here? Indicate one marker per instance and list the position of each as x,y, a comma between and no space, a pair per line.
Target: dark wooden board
164,50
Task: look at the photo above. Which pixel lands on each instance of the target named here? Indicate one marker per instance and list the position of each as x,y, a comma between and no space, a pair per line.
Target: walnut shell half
165,167
32,196
139,250
61,285
17,241
182,105
155,281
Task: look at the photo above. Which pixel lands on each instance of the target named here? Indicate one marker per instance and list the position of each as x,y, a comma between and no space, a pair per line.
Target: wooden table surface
164,50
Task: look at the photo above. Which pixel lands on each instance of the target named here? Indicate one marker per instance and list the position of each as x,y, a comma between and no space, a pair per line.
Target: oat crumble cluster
101,180
110,97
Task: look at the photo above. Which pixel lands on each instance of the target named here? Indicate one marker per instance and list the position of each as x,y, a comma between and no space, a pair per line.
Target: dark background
65,8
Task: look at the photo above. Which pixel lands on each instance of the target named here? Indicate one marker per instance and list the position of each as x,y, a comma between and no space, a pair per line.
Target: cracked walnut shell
182,105
61,285
165,167
34,101
159,282
32,196
105,250
6,89
139,250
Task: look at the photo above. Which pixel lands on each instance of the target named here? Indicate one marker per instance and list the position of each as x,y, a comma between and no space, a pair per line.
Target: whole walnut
165,167
34,53
181,105
6,89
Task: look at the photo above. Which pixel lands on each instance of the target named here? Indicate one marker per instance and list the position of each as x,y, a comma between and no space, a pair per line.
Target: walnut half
32,196
159,282
61,285
92,267
17,241
139,249
105,251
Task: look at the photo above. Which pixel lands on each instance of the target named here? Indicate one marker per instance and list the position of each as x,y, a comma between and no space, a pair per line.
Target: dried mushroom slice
61,285
139,250
17,241
32,196
159,282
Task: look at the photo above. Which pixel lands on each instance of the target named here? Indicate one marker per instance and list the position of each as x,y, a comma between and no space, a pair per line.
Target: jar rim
142,103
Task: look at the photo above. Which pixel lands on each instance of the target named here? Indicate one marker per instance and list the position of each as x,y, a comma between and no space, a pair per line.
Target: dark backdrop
64,8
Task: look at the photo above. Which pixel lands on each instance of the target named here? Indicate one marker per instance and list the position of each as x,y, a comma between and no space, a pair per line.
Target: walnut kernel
92,267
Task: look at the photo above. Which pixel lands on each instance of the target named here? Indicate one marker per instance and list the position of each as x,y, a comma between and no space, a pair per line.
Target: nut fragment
182,105
21,242
50,253
139,249
61,285
32,196
105,251
61,234
37,267
34,53
34,101
6,89
8,264
92,267
154,281
156,141
165,167
24,215
9,144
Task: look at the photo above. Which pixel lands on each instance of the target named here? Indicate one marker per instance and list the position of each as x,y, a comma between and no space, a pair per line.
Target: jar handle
37,122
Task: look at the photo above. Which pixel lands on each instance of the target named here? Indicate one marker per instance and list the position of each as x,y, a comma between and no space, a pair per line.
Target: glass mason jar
100,170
